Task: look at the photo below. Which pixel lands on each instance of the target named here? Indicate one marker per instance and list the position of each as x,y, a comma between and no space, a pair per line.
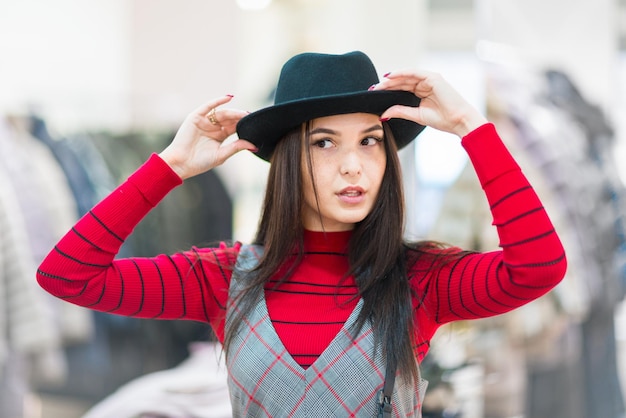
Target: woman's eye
323,143
371,140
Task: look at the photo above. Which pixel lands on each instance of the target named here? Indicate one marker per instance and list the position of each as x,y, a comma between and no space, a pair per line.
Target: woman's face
348,161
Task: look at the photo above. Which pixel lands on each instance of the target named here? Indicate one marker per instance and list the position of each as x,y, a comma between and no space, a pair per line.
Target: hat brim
265,127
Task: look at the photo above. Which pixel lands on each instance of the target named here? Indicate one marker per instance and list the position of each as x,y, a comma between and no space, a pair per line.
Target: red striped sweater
306,311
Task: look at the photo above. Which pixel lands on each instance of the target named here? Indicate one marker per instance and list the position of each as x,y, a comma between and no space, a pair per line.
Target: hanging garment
75,173
195,388
608,245
563,134
30,342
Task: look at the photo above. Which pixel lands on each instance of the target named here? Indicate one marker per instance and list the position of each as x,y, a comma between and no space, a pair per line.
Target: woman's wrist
469,124
171,161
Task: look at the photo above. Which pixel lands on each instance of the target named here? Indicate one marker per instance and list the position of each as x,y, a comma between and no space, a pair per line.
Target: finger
419,82
229,127
206,107
229,116
404,112
228,150
410,73
220,119
395,84
402,82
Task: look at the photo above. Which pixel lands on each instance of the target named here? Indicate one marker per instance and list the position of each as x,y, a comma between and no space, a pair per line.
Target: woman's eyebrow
333,132
323,131
373,128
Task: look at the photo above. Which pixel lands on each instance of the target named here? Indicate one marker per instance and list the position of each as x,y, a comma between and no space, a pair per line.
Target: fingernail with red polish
387,74
372,87
384,119
230,95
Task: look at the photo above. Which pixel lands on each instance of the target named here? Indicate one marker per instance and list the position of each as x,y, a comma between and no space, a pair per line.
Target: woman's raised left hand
441,106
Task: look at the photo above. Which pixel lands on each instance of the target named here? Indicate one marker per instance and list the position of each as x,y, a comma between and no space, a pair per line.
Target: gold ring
212,118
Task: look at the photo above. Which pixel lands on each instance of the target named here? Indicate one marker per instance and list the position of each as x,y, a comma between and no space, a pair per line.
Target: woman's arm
532,260
82,269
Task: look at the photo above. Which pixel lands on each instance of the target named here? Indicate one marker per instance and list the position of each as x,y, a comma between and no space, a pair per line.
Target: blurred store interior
89,89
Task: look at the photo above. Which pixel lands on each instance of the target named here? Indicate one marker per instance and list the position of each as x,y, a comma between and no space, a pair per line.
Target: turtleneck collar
319,241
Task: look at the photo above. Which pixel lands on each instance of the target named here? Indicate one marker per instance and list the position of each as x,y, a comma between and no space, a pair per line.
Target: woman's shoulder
424,257
222,253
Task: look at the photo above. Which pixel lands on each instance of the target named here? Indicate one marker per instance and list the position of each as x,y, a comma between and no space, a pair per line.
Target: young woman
329,304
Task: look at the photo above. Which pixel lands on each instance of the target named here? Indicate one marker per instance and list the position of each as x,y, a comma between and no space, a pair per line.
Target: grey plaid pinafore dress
265,381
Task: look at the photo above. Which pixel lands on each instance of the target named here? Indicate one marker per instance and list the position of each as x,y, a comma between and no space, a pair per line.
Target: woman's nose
351,164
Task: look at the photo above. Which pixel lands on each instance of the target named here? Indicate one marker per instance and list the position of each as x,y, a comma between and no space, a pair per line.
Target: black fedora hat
313,85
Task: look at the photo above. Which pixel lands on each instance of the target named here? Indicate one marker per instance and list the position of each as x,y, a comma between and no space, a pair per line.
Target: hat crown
310,75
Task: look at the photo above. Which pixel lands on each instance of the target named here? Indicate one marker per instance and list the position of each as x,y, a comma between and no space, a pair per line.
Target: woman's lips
352,195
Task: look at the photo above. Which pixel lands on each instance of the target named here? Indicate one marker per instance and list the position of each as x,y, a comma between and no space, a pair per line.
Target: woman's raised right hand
198,145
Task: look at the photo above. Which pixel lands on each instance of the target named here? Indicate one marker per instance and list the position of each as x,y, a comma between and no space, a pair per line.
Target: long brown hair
380,270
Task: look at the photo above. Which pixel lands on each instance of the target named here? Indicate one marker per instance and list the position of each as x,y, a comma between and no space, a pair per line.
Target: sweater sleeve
531,260
82,268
